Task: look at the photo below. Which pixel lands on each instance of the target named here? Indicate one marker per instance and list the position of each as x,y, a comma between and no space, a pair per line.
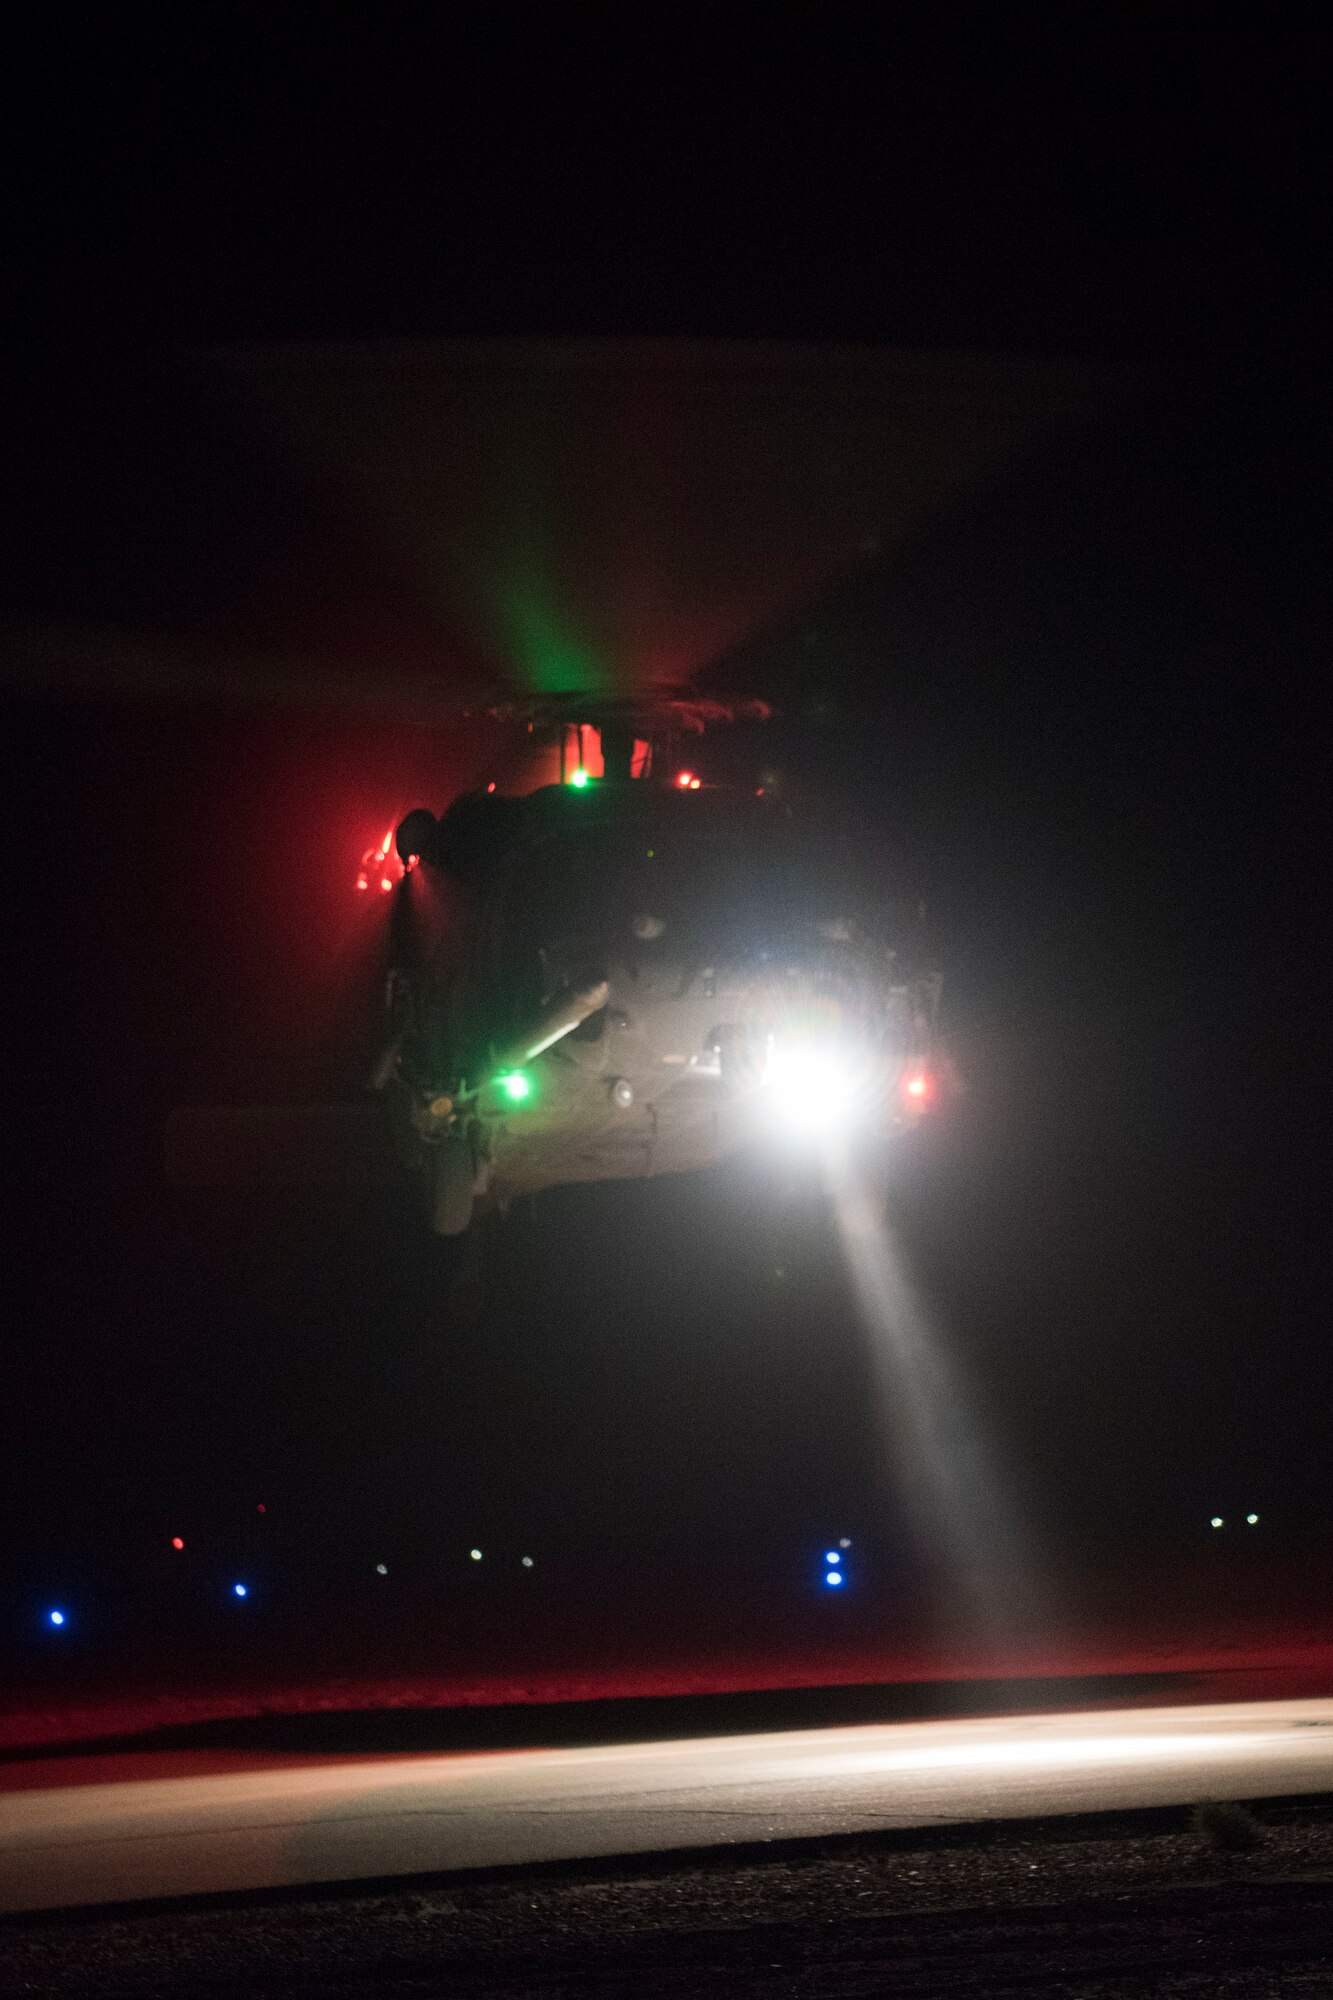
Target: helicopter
632,971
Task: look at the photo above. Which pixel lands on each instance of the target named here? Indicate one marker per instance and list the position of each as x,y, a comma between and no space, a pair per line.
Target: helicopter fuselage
622,981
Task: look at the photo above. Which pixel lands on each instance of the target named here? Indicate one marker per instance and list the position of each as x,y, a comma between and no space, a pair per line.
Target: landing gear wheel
451,1177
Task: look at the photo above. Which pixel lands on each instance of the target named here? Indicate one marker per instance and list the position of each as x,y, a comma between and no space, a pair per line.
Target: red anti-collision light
685,779
919,1088
374,863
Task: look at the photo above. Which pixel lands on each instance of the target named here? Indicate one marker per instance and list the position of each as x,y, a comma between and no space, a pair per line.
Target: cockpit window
715,892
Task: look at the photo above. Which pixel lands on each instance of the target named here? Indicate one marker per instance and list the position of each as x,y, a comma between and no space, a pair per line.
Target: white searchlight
811,1089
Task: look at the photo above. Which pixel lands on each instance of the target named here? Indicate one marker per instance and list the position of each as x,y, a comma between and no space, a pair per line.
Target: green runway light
578,779
516,1086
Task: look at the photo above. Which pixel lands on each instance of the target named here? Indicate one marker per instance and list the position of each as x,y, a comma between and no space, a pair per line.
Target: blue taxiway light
56,1617
834,1577
240,1590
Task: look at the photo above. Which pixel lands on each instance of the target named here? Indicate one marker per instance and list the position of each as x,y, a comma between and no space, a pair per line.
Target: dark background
1082,698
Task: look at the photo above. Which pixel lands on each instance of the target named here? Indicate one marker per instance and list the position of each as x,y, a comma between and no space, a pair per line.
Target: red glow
381,864
176,1542
685,779
920,1088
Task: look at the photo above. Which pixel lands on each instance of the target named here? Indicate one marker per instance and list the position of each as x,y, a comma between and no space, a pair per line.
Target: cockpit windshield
724,892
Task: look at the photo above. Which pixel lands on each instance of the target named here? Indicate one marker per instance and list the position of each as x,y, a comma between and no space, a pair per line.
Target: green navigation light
516,1086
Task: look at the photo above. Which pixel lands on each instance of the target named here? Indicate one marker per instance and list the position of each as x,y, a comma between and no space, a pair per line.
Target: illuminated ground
151,1829
1118,1906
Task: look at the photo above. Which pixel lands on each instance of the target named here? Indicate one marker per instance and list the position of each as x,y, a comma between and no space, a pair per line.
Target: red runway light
262,1508
491,786
685,779
176,1542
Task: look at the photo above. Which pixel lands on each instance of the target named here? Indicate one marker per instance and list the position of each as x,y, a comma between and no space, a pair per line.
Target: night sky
1077,688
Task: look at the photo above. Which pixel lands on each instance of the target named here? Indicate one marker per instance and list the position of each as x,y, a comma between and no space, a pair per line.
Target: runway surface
79,1831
